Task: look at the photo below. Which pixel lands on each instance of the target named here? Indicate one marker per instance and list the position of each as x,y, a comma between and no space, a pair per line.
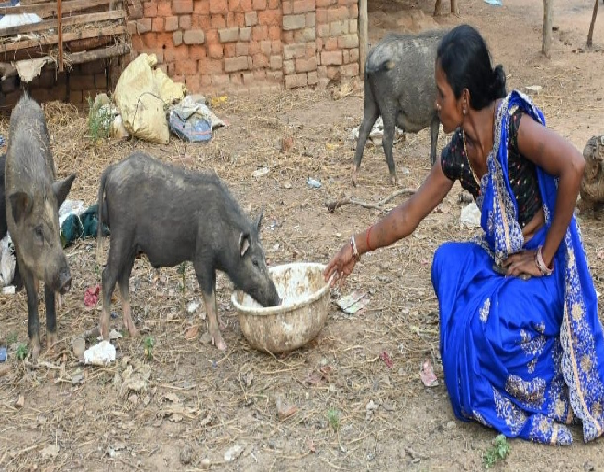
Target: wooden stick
70,21
334,204
548,19
592,24
363,39
89,33
60,28
49,9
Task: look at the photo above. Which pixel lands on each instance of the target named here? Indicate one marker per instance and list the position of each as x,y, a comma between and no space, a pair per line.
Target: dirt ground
186,404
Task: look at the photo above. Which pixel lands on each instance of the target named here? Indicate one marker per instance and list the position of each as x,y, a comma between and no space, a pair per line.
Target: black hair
466,62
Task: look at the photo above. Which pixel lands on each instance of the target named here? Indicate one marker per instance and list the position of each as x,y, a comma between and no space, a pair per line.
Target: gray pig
33,198
173,215
400,86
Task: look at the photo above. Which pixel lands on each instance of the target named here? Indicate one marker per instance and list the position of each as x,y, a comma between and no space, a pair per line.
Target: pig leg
207,284
370,115
51,317
109,279
387,139
33,322
434,127
123,282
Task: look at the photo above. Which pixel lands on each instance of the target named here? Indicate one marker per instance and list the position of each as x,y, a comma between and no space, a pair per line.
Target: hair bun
498,89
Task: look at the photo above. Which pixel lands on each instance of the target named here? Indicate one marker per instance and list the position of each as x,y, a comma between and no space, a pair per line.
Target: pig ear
21,204
244,243
61,189
259,219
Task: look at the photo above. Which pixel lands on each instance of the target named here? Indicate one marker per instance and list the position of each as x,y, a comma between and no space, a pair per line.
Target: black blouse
521,171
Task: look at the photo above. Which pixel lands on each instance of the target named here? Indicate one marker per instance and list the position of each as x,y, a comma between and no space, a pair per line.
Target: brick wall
224,45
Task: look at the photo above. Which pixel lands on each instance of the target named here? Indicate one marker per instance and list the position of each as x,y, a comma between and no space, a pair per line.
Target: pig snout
64,281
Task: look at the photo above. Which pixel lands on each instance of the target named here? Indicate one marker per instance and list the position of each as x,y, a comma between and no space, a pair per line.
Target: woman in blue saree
521,343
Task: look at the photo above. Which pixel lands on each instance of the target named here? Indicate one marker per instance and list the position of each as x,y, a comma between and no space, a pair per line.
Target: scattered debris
353,302
283,410
8,262
2,353
312,183
427,374
260,172
100,354
191,332
332,205
78,346
192,307
91,296
386,358
470,216
50,451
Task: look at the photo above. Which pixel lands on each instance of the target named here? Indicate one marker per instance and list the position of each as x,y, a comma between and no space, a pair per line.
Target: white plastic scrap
7,261
470,216
100,354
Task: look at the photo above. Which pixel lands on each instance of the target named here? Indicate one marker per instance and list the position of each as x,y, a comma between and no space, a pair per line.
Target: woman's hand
340,266
522,263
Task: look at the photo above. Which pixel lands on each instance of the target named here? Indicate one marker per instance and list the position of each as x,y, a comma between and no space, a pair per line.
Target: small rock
451,425
260,172
205,463
113,334
50,451
191,332
186,454
287,185
78,346
77,379
20,401
233,453
192,306
206,338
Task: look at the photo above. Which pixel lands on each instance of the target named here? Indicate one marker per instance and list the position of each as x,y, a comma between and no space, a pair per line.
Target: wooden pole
548,19
60,27
591,26
363,40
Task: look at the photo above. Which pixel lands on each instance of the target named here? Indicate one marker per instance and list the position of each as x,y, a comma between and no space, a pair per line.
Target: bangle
541,263
355,252
367,238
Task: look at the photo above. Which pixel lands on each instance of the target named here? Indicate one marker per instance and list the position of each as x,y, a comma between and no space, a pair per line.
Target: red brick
197,51
254,48
288,7
354,55
202,7
135,11
131,26
275,76
319,44
289,67
312,78
234,6
176,54
321,16
273,4
185,22
354,11
270,18
287,37
137,43
231,20
188,66
215,50
143,26
219,6
210,66
303,6
276,62
234,64
259,74
306,65
212,36
229,50
345,56
201,21
178,77
331,44
259,33
276,46
248,77
194,36
236,79
242,49
259,5
350,70
192,82
251,18
182,6
295,80
333,73
206,80
245,5
177,38
150,9
171,23
324,3
220,79
240,19
265,48
157,25
218,21
329,58
164,9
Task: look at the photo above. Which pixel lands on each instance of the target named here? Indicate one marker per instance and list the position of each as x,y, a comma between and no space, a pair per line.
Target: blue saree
525,357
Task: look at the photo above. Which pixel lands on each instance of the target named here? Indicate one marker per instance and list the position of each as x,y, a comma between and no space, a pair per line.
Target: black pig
33,198
173,215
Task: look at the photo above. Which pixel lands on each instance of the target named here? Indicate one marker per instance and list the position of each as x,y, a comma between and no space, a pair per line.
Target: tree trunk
591,26
548,19
363,39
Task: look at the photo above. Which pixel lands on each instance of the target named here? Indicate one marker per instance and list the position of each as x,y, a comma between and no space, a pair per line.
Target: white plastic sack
138,97
470,216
